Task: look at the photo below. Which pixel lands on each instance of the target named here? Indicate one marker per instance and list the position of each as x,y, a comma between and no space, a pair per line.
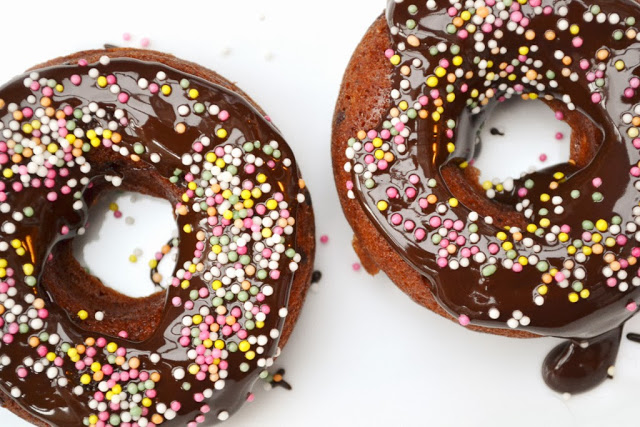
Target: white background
362,352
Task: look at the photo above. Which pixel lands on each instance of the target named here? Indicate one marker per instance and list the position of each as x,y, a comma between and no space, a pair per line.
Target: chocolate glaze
504,297
152,121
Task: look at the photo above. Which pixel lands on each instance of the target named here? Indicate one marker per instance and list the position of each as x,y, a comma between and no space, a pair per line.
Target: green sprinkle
138,148
542,266
489,270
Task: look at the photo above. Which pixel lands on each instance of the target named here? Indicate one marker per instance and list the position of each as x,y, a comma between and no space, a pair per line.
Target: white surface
362,352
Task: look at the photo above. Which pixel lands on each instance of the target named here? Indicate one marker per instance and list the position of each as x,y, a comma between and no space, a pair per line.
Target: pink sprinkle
356,266
597,182
123,97
632,306
223,115
117,214
126,36
559,115
543,157
324,239
559,136
145,42
464,320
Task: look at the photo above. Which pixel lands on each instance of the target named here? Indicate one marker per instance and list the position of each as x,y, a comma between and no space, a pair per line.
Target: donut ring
553,253
148,122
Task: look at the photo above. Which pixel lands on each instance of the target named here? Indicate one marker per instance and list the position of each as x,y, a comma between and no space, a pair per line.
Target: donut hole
519,137
522,125
123,245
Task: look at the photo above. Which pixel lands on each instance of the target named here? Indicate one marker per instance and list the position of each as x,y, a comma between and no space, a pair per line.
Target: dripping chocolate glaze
467,292
152,121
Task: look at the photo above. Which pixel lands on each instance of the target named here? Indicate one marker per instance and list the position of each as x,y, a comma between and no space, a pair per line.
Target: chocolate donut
552,253
148,122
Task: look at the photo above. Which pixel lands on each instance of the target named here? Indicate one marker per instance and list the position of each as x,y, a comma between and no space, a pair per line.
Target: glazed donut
552,253
144,121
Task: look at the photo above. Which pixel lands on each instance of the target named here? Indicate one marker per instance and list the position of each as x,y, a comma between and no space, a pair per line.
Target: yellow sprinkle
584,294
28,269
244,346
272,204
382,205
187,228
82,314
85,379
193,93
221,133
112,347
453,202
542,290
102,81
133,258
574,297
166,90
602,225
395,59
432,81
